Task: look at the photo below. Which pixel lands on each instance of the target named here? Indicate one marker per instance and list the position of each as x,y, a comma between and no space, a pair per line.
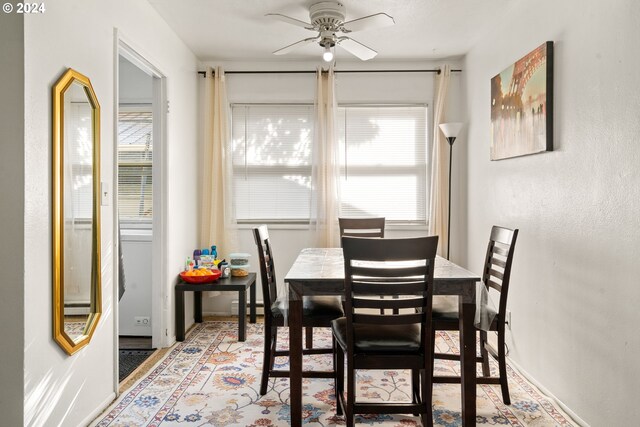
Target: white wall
575,284
351,88
61,389
12,249
136,300
134,85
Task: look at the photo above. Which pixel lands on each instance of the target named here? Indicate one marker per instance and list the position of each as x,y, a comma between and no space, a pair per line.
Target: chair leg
427,384
485,354
308,337
415,388
502,367
268,358
339,380
433,352
427,394
350,417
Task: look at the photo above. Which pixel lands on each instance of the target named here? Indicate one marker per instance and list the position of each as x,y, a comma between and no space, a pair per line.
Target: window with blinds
271,158
78,172
383,152
135,159
384,162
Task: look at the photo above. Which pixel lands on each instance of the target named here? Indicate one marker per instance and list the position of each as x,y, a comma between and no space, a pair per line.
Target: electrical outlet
142,321
507,319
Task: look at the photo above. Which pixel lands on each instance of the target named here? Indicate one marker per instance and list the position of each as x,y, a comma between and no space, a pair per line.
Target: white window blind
78,179
271,157
384,162
135,158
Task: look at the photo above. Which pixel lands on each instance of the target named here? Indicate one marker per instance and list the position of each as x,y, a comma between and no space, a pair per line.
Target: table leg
197,306
252,302
295,357
179,296
242,315
468,361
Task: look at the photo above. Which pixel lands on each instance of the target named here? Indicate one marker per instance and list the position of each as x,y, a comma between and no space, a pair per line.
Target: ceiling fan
328,19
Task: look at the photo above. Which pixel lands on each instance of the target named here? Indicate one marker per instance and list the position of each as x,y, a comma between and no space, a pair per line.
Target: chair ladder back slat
496,274
369,271
372,288
494,285
387,319
361,233
500,263
500,251
399,303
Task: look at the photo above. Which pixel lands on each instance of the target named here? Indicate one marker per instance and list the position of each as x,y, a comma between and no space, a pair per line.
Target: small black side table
237,284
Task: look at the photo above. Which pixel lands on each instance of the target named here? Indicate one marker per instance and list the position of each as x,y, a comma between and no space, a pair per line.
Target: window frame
390,223
294,224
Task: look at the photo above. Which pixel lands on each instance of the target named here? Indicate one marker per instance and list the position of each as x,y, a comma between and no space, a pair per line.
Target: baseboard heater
77,308
259,307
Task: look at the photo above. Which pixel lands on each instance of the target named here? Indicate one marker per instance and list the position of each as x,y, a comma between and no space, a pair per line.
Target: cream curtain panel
218,225
438,205
326,166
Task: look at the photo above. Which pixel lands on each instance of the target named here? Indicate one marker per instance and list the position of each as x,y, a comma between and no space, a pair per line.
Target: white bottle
189,264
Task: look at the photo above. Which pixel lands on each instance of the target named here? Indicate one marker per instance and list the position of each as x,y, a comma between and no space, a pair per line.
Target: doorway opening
141,316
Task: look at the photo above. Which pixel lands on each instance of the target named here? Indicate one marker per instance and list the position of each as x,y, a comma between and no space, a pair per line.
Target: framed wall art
522,106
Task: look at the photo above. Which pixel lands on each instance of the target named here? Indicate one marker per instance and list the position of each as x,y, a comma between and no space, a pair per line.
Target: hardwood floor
134,343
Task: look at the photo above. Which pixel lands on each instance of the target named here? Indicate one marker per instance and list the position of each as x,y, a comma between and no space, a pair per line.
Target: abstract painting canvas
522,106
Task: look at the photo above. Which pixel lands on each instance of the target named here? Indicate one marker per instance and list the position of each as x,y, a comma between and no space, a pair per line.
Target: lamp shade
451,130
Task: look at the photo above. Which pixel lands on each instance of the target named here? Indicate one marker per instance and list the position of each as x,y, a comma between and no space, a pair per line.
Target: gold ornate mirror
77,299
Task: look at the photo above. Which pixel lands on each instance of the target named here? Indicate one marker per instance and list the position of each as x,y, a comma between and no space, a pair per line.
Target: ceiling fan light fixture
328,19
327,56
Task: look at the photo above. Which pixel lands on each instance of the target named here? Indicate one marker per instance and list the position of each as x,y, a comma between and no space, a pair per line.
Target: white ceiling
237,30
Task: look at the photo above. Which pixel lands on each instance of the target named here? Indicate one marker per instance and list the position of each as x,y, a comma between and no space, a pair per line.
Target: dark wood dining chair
318,311
361,227
370,339
495,276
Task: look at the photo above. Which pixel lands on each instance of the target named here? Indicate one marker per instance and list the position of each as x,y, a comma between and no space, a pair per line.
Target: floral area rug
211,379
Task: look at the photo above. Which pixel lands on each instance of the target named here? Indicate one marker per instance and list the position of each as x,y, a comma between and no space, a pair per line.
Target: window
271,158
384,162
135,158
78,179
383,152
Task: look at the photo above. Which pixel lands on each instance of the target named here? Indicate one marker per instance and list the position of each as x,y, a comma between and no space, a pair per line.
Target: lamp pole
450,131
450,140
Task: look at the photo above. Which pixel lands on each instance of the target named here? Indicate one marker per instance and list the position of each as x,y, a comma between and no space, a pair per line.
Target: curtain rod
203,73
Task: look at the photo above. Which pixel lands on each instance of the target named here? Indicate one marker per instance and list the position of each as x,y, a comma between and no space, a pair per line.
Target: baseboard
101,408
547,393
259,307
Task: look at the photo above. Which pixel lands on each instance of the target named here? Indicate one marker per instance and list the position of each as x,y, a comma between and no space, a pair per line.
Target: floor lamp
450,131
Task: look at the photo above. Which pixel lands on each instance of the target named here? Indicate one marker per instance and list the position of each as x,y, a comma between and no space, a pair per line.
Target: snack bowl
208,278
240,271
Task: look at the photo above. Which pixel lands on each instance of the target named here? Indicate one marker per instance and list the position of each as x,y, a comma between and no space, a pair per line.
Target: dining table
320,271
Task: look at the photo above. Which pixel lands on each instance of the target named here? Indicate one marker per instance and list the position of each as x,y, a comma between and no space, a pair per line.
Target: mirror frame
60,336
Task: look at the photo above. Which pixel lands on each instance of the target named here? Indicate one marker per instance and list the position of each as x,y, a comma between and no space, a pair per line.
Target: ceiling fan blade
356,48
290,20
378,20
296,45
